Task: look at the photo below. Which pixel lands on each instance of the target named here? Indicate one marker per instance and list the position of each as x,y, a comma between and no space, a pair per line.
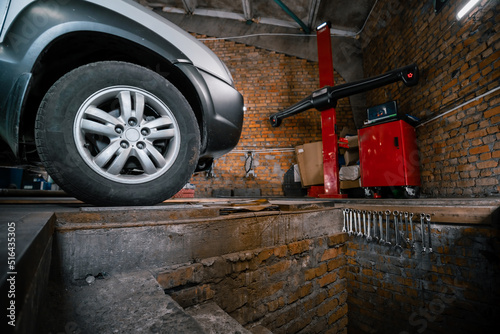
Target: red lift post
325,100
331,187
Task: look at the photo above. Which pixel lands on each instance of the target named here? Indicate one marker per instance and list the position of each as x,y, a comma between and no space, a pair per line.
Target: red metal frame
328,118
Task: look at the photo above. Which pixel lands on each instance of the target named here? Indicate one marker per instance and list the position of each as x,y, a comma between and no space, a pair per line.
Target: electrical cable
369,14
254,35
264,150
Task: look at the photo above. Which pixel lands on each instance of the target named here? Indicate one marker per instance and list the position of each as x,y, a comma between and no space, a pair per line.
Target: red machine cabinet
388,155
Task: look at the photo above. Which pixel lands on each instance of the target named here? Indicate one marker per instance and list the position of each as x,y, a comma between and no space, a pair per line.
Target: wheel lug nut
124,144
118,130
132,122
145,132
140,146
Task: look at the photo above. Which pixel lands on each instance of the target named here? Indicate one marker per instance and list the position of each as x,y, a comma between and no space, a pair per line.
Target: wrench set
370,225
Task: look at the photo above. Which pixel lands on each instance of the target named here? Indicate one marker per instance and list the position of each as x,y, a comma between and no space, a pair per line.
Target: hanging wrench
381,230
412,232
364,223
422,217
428,219
345,212
350,222
401,231
387,240
374,220
407,234
396,227
354,222
359,223
369,237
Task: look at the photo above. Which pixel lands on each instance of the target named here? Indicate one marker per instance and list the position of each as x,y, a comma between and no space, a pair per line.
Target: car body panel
4,7
31,26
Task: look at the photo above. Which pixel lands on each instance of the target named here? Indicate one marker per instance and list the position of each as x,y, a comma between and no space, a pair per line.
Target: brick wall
295,288
459,61
453,290
269,82
338,283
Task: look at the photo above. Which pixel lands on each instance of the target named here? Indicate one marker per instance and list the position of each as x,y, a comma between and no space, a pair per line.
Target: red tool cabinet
388,155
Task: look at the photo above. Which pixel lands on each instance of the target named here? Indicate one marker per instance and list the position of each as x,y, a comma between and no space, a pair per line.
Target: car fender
40,23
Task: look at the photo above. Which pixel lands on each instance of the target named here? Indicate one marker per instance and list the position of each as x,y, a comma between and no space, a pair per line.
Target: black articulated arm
327,97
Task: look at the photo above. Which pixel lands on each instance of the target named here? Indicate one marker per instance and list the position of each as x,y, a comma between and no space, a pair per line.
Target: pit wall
269,82
459,62
341,283
300,287
453,290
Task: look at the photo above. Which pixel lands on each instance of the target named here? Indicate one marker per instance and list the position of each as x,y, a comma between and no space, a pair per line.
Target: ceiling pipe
247,10
293,16
313,12
189,6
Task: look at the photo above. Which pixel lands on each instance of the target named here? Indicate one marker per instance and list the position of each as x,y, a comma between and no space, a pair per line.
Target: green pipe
293,16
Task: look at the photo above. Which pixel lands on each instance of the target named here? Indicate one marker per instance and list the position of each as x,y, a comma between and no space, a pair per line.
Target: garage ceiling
286,26
347,16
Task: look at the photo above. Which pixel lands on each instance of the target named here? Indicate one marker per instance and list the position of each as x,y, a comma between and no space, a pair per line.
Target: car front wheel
114,133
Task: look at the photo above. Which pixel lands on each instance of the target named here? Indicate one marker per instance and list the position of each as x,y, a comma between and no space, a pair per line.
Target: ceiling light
467,8
322,25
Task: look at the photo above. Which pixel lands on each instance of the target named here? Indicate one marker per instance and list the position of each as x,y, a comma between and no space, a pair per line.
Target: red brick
327,279
327,307
480,149
331,253
279,267
339,313
337,239
492,112
298,247
336,263
265,254
281,251
487,164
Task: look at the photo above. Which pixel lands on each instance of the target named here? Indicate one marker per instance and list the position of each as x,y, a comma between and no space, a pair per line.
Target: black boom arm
326,97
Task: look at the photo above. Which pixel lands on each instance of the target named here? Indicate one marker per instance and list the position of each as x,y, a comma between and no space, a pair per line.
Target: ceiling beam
293,16
247,10
190,6
313,12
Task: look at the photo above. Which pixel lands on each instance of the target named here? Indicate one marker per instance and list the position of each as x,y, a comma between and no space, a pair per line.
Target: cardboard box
348,134
310,160
352,141
350,184
351,156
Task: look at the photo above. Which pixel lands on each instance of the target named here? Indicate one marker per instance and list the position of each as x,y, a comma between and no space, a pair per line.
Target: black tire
103,149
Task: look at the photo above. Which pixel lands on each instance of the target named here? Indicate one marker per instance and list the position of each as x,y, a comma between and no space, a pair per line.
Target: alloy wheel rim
126,134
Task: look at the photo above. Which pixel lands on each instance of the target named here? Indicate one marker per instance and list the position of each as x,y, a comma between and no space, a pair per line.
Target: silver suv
119,105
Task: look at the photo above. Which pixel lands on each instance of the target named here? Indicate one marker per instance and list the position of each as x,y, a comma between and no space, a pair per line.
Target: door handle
396,142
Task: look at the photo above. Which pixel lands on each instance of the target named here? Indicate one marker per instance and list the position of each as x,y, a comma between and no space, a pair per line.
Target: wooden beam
488,214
